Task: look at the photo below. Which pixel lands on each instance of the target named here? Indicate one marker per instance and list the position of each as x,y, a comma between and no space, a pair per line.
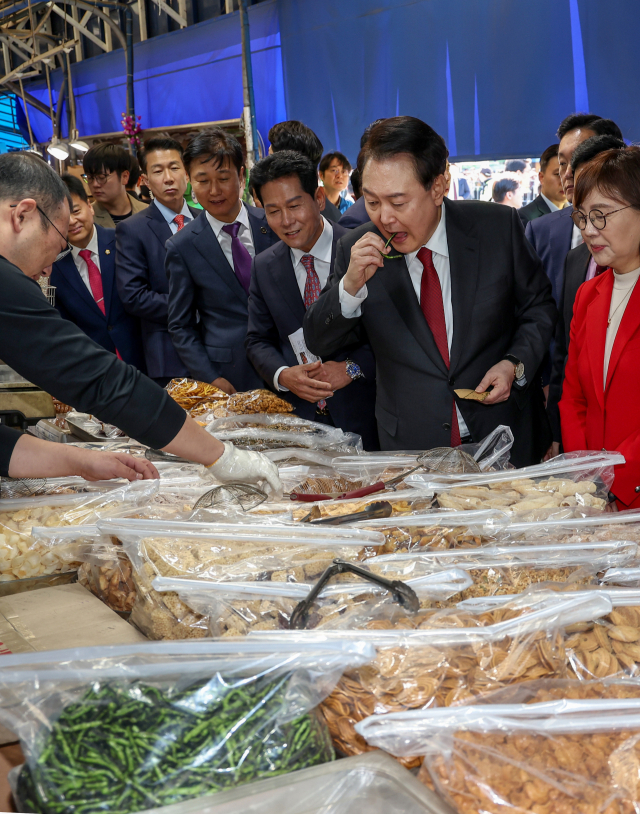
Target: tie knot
307,262
179,220
425,256
232,229
85,254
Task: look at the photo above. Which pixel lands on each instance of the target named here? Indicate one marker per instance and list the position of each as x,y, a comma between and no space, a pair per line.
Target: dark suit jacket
355,215
536,209
74,301
208,307
144,288
575,273
331,211
502,304
277,310
550,236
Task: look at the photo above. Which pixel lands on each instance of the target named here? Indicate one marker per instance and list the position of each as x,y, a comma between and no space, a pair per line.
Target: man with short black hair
285,280
334,172
551,197
141,251
106,170
86,292
515,165
449,295
508,192
209,266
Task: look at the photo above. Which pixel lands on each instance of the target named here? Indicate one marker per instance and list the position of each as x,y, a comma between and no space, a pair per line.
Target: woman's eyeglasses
596,216
64,252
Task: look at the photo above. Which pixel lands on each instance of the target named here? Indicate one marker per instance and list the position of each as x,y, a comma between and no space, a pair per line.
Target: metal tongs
402,593
380,486
373,511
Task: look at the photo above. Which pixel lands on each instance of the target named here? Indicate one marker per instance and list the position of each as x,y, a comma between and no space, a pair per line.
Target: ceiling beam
171,12
36,60
77,24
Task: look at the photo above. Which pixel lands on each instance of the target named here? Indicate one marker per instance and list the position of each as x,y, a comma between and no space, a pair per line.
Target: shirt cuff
351,306
276,376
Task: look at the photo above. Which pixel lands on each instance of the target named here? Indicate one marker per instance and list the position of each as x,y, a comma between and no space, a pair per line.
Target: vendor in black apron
58,357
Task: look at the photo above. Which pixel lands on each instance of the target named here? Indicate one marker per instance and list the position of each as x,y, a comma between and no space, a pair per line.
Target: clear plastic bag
190,393
572,480
403,503
605,526
106,571
571,748
120,729
448,657
236,609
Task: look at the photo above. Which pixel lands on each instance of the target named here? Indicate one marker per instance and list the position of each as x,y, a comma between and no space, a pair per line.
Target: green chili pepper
386,246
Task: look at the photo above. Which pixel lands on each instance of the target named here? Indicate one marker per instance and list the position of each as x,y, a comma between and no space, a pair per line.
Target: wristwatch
518,365
353,370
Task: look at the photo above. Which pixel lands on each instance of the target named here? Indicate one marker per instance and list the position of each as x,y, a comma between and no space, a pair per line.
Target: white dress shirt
81,265
224,239
549,203
351,305
576,237
169,214
321,253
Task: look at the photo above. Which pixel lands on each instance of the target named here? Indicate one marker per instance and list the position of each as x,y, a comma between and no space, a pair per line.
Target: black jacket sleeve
8,439
57,356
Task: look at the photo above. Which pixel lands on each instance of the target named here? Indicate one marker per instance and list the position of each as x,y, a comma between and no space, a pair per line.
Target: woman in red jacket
600,406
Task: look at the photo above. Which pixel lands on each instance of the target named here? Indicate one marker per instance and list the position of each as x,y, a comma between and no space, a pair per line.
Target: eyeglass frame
601,213
104,175
61,255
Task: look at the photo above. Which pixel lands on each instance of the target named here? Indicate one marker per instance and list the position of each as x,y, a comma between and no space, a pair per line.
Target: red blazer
597,417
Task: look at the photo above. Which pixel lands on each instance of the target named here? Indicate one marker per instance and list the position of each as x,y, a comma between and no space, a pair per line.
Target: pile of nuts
606,648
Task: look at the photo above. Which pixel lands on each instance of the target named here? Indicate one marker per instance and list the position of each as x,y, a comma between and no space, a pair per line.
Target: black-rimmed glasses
596,216
64,252
100,179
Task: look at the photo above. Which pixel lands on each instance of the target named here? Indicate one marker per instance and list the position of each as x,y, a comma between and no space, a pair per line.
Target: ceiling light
78,144
58,149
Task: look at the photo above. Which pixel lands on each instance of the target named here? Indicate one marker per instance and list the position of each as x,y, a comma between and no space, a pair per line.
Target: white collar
553,207
92,245
438,240
169,215
216,225
321,249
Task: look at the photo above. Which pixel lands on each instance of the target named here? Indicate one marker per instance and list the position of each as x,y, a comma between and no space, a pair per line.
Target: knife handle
308,498
366,490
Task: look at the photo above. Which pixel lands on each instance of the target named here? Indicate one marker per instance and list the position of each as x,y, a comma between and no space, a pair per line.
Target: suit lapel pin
263,229
107,251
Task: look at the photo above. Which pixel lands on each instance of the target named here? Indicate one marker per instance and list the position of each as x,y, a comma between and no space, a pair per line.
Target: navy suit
208,307
74,301
355,215
550,236
144,288
277,310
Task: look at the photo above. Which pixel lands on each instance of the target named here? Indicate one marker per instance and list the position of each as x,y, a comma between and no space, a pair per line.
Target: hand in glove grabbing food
242,466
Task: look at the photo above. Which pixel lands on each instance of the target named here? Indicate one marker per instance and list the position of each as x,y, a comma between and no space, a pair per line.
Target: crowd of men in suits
366,315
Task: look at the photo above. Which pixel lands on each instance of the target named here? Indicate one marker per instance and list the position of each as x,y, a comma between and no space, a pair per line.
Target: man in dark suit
459,300
285,280
140,254
551,197
209,266
85,283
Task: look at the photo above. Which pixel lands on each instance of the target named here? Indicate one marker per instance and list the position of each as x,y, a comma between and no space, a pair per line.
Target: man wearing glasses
106,171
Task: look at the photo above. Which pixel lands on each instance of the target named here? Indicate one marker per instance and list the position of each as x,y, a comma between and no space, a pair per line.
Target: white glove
242,466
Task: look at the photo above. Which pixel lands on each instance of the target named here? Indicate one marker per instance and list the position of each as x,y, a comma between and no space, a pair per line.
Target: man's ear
540,176
20,211
321,198
124,177
243,177
438,189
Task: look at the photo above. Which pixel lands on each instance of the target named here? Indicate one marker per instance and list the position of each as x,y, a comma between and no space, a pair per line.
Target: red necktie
433,310
179,220
95,281
312,290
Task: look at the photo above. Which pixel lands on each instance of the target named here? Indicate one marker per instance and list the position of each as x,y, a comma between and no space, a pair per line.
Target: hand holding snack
500,377
366,259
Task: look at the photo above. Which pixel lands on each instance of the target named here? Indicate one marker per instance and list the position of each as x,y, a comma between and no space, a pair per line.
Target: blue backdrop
494,77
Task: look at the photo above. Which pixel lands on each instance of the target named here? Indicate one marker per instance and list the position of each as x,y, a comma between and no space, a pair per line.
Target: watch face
519,370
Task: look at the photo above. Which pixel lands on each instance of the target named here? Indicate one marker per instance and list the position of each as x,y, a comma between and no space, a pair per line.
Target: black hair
106,158
406,134
356,183
156,144
364,138
515,165
134,173
575,121
24,175
75,186
296,136
328,158
284,164
216,145
592,147
501,187
545,158
606,127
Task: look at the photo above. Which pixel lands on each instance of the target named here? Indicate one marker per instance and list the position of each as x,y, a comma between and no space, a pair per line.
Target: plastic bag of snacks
190,393
604,526
570,747
238,608
124,728
106,571
222,553
574,480
447,657
403,502
22,556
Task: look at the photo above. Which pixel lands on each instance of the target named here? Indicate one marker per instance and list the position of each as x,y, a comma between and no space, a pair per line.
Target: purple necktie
241,257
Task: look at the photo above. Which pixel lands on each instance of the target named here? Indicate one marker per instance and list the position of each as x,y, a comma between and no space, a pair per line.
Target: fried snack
257,401
504,773
327,486
61,408
606,648
420,676
516,578
189,392
401,505
111,581
402,539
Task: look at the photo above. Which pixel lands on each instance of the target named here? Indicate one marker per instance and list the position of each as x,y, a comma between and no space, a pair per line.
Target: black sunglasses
64,252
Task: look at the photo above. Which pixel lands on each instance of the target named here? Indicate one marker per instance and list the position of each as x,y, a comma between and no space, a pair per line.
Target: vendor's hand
95,465
301,380
222,384
553,450
501,377
244,466
366,259
335,373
